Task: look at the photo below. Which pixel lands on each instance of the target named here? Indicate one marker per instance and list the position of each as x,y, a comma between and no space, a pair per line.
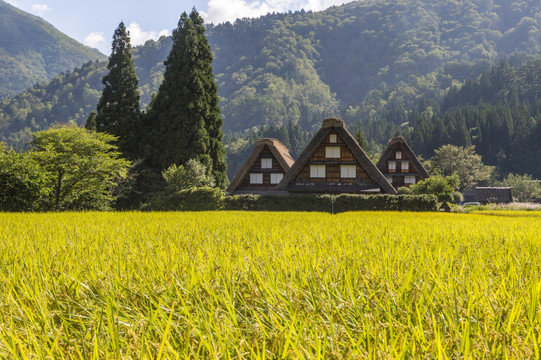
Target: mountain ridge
32,50
353,61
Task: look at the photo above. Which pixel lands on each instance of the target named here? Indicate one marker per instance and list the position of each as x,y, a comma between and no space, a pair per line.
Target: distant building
263,170
486,195
333,162
400,165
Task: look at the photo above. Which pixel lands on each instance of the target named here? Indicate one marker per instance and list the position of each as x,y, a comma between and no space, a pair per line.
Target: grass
269,285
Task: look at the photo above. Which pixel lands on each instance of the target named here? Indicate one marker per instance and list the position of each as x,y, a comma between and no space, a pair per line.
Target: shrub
192,199
193,174
441,186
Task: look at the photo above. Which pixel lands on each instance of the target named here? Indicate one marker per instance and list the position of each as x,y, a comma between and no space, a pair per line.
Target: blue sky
93,22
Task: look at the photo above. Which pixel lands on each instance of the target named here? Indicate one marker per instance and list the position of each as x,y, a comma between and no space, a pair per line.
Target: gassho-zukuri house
263,170
333,162
400,165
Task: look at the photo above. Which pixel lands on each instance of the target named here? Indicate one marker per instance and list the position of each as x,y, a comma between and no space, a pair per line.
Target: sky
93,22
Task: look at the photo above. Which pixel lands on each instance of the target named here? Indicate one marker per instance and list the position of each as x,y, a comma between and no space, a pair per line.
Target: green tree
185,112
193,174
359,136
444,187
462,161
21,181
118,111
525,189
81,167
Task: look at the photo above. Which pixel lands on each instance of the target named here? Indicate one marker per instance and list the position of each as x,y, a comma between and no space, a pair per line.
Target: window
332,138
332,152
348,171
276,178
317,171
266,163
256,178
392,166
409,179
405,166
389,179
398,155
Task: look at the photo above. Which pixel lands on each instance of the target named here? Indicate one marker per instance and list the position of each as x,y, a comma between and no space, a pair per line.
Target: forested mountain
364,61
32,50
499,113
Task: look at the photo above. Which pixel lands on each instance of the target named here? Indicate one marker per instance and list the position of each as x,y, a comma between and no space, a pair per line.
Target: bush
192,175
441,186
192,199
22,182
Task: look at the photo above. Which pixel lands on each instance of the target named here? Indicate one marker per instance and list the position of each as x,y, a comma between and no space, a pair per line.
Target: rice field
249,285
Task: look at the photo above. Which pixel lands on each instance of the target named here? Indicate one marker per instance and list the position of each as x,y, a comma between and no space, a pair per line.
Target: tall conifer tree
119,109
185,116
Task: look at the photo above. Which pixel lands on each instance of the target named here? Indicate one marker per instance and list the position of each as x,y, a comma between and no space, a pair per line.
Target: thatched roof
494,194
280,152
338,126
409,153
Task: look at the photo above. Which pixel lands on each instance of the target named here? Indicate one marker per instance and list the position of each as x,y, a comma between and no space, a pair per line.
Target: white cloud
138,36
96,40
40,9
12,2
228,10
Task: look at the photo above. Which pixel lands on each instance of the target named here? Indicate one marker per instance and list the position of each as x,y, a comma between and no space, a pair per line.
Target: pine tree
118,112
185,116
359,136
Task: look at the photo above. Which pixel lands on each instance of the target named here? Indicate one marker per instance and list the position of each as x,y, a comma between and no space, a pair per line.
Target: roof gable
399,143
366,178
265,147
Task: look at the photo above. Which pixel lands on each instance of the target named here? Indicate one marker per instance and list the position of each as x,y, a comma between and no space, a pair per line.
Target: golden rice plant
270,285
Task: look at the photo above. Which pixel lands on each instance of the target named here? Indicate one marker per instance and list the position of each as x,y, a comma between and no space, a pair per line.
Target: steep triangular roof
278,150
337,126
391,145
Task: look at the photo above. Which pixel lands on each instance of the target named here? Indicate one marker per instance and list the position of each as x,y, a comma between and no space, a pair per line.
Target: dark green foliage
346,202
32,50
212,199
118,111
331,204
192,199
278,203
359,136
185,115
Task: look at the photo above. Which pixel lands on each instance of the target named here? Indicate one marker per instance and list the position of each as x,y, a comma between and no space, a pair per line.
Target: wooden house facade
400,165
264,168
333,162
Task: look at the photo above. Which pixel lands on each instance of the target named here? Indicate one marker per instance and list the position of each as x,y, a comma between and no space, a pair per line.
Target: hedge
278,203
331,204
205,198
193,199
